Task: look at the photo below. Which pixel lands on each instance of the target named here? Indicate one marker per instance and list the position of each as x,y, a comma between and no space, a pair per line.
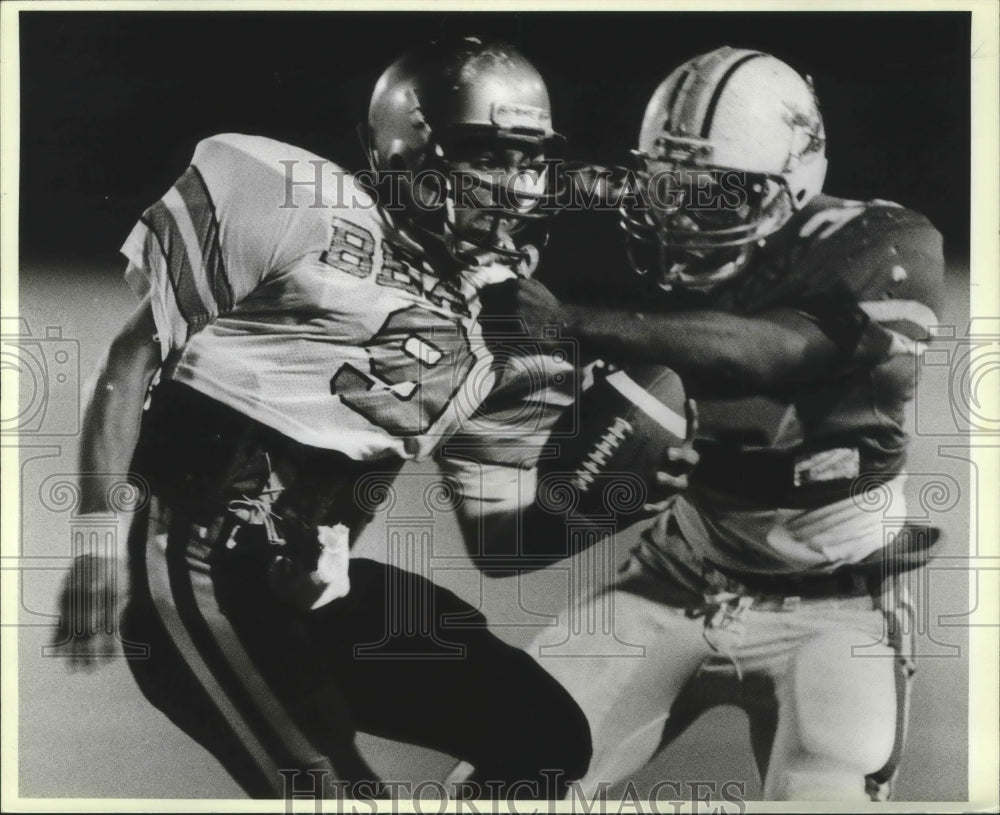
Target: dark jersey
870,276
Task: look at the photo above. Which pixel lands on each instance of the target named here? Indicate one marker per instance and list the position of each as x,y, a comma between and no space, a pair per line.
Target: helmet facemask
489,197
695,225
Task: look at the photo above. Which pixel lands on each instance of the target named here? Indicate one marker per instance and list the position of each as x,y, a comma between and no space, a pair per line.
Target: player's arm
737,354
225,210
113,415
715,352
96,586
504,529
507,528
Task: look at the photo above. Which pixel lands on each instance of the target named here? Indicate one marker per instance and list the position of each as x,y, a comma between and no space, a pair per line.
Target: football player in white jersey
302,334
794,318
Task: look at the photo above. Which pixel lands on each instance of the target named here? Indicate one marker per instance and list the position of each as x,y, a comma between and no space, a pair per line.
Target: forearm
721,354
98,583
111,431
114,412
523,540
503,526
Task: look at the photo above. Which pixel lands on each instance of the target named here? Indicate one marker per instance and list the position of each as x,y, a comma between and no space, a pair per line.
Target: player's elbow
504,545
513,555
488,541
764,365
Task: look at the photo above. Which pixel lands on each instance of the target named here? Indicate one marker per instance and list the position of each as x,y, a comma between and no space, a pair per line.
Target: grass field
93,735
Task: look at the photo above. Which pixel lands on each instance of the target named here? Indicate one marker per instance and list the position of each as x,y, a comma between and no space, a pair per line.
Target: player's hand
528,301
680,462
90,604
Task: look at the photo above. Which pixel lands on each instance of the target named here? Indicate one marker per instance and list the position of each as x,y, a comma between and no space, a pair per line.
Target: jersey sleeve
229,221
487,490
877,280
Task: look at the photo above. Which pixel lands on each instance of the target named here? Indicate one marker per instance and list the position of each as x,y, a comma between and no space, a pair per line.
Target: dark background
114,102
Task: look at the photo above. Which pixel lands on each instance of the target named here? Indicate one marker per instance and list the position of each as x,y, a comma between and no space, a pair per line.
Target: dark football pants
266,688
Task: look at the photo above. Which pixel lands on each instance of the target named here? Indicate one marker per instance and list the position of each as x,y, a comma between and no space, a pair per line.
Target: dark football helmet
463,129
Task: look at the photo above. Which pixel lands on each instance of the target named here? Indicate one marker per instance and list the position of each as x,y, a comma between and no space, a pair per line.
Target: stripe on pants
184,596
160,590
901,620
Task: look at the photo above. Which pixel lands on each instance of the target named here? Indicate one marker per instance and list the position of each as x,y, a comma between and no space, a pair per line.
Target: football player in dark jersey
300,349
795,319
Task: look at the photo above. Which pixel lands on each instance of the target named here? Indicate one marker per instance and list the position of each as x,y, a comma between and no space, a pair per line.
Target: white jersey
279,290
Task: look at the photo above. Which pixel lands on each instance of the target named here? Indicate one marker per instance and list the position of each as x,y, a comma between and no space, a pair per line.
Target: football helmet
431,110
732,144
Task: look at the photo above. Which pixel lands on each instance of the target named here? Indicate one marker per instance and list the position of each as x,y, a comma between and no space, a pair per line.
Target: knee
539,761
809,779
561,742
577,747
844,704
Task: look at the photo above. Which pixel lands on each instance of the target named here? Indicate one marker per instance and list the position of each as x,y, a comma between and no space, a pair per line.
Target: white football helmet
732,144
463,96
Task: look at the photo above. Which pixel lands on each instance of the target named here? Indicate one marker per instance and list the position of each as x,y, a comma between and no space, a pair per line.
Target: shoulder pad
305,176
825,216
861,249
829,228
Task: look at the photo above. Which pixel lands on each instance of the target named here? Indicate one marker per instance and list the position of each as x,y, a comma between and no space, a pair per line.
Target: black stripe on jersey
160,221
201,208
714,101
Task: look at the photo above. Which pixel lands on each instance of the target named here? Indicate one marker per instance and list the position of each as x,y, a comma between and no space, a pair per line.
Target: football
611,445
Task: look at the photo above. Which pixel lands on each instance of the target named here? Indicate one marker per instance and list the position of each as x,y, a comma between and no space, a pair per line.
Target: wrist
102,535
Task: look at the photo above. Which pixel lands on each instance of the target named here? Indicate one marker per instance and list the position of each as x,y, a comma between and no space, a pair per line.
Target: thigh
235,669
409,675
837,718
625,678
169,683
217,679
